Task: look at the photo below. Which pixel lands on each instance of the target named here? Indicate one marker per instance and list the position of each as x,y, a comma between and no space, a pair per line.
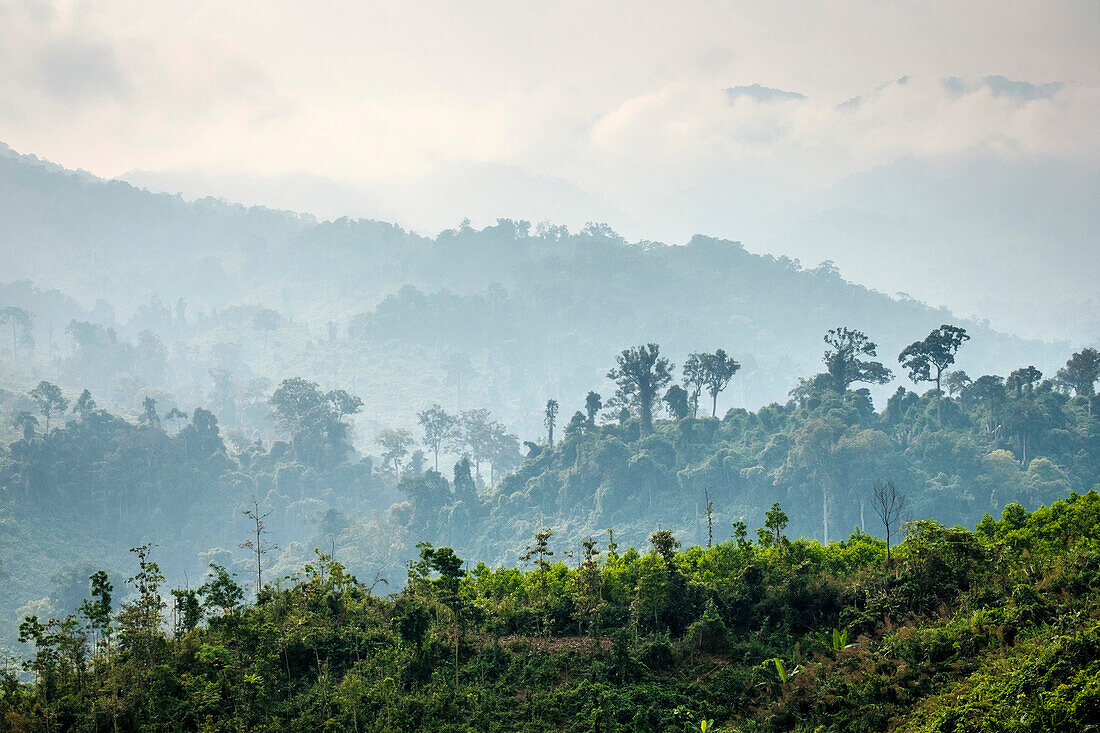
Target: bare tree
710,517
888,504
259,547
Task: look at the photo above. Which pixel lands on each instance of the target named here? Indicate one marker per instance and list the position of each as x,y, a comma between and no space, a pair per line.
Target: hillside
93,484
954,630
526,312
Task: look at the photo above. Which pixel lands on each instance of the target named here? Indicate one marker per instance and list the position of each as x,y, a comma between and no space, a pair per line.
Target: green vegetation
96,484
959,629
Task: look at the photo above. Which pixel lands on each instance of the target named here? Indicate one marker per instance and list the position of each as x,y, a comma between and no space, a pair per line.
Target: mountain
538,314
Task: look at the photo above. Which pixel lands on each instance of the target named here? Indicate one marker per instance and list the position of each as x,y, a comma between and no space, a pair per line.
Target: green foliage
994,624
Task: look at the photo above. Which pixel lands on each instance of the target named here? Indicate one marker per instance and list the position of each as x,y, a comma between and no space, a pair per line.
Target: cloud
73,70
49,55
680,135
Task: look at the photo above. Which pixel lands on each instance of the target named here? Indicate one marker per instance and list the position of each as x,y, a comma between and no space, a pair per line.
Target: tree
98,611
775,521
472,436
140,619
664,544
26,423
220,591
258,547
459,372
694,379
149,414
988,389
590,602
176,415
202,434
1023,380
710,517
21,322
503,450
315,419
85,404
576,425
396,444
718,370
1081,372
49,400
550,417
844,362
955,382
465,490
438,427
640,374
446,588
266,321
676,400
593,403
541,553
888,504
937,351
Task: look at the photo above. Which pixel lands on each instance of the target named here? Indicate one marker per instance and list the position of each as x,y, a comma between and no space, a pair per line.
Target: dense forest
952,630
426,487
81,485
210,304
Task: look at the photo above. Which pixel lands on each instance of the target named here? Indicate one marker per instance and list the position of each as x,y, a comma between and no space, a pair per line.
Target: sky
426,112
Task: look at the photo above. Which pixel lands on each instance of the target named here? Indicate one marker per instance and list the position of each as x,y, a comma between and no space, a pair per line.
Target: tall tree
20,321
718,370
472,436
593,403
1081,372
395,443
49,400
550,418
775,521
640,374
845,362
694,379
503,450
937,351
438,427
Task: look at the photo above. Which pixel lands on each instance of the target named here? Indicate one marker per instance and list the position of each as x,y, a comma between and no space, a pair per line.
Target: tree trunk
646,413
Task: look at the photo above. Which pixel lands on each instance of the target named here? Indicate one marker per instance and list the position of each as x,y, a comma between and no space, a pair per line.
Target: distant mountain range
540,313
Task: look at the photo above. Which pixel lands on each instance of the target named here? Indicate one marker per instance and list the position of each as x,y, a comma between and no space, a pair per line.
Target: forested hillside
209,304
264,406
950,631
79,485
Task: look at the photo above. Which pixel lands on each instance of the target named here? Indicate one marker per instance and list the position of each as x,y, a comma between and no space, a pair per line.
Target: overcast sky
604,110
594,92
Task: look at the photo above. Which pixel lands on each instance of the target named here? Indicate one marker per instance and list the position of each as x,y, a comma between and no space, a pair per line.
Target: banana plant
840,641
781,669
